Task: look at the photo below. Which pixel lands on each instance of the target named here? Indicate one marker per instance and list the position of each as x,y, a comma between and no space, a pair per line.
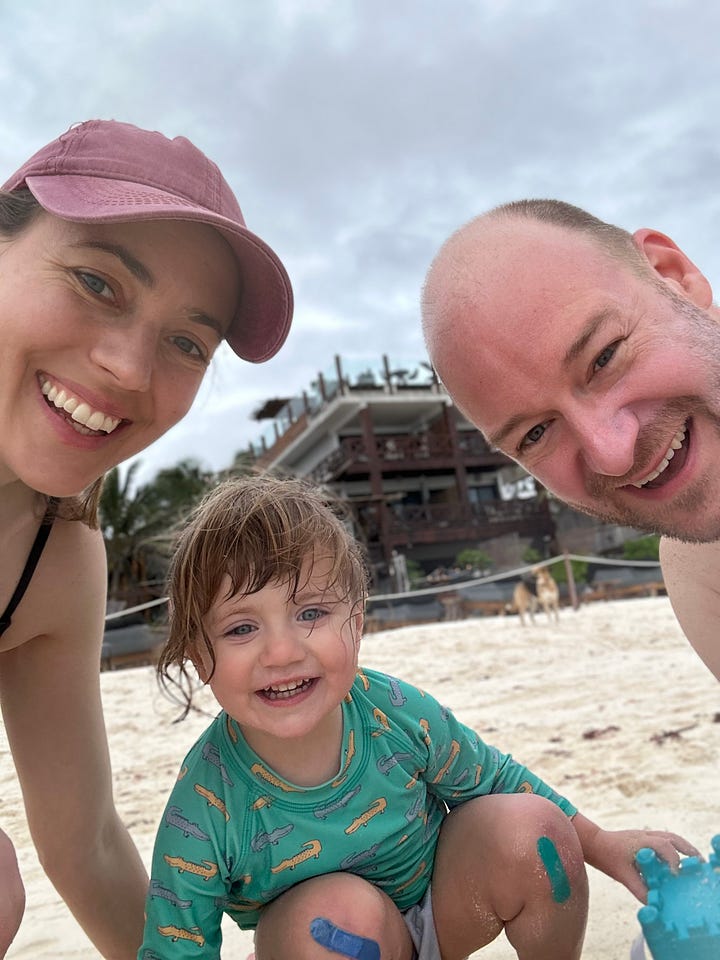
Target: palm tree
137,523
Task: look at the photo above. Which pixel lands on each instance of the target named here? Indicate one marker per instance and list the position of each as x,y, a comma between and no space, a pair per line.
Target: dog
548,595
524,602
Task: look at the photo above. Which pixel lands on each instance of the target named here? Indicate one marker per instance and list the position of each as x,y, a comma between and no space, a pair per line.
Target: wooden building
421,480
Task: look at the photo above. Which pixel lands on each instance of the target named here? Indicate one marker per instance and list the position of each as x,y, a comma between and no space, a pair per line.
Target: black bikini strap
32,561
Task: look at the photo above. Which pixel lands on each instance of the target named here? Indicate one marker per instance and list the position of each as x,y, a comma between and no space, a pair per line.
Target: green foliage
644,548
416,574
531,555
137,523
476,559
579,571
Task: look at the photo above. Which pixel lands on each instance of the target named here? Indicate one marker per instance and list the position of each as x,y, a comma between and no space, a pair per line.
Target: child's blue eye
312,613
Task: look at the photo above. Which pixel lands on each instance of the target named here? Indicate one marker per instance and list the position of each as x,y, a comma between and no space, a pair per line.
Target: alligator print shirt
235,835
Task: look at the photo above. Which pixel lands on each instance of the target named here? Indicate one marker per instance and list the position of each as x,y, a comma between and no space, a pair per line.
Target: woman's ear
673,266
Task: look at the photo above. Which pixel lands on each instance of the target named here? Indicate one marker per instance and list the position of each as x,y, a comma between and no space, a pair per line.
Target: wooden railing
402,450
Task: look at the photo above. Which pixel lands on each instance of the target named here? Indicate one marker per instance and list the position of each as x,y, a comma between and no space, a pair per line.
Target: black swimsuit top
30,564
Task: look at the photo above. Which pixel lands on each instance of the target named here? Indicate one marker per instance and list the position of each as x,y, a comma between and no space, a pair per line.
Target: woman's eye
605,357
189,347
94,283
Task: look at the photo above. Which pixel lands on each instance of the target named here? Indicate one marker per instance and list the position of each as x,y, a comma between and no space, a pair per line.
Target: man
592,357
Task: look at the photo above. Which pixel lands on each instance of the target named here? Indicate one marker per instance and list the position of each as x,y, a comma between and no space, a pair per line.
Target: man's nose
127,353
607,440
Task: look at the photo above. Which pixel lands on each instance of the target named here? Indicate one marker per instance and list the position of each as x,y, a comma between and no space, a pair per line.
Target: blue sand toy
682,918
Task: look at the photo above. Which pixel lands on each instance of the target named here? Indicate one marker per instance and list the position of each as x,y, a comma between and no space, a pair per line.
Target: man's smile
676,444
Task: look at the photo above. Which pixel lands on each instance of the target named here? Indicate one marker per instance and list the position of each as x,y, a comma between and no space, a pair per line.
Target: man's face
602,383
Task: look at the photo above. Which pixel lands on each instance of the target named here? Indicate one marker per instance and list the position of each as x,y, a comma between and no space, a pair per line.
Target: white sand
621,669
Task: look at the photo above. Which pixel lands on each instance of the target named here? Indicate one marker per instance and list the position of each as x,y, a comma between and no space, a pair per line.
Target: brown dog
524,602
548,595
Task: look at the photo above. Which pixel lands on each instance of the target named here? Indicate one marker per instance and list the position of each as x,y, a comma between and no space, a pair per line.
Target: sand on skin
611,706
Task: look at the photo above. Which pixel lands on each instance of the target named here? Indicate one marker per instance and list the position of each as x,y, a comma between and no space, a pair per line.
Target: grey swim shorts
421,924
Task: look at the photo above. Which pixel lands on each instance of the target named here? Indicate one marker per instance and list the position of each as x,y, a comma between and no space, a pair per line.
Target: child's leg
512,862
351,904
12,894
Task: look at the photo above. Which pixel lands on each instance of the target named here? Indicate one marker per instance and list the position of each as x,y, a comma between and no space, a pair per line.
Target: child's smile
284,663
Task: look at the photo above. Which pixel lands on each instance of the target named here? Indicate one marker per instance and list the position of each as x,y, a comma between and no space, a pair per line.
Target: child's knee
548,837
325,909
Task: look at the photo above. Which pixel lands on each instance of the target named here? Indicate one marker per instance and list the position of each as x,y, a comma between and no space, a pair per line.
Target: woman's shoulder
66,592
75,558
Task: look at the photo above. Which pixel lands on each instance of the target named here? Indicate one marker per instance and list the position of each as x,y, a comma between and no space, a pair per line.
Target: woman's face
106,331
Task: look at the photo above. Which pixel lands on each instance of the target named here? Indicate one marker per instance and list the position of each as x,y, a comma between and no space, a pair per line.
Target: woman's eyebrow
138,269
129,260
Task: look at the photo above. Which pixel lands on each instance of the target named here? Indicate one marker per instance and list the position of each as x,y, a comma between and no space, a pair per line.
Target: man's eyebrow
135,266
595,323
496,439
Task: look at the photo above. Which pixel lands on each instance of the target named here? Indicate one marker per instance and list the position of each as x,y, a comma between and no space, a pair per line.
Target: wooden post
571,581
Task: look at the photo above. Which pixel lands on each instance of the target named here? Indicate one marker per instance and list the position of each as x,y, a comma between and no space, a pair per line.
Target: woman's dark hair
17,211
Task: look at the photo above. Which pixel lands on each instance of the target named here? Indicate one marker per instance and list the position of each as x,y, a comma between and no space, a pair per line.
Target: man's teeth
675,444
285,689
81,412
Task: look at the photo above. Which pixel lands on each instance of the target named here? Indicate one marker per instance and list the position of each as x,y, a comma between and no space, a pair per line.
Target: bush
474,559
644,548
579,571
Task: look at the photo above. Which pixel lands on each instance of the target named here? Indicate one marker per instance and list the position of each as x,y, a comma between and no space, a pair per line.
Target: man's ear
673,266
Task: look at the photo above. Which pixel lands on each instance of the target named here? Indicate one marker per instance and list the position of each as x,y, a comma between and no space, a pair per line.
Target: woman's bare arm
50,694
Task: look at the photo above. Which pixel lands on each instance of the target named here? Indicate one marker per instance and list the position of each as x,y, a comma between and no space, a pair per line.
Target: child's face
283,664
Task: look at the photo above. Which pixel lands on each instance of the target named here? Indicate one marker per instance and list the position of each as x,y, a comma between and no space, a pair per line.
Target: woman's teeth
675,444
81,412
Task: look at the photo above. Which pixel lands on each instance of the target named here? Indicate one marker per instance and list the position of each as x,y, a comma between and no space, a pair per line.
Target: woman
124,262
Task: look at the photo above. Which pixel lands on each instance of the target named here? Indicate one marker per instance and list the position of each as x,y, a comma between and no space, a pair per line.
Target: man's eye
535,433
605,357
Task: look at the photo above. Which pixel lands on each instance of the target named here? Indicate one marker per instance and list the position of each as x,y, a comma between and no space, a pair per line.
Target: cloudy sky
357,134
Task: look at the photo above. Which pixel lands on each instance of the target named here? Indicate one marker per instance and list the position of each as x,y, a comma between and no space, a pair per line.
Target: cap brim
262,322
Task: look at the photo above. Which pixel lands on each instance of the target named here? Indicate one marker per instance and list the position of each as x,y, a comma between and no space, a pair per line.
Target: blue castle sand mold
682,918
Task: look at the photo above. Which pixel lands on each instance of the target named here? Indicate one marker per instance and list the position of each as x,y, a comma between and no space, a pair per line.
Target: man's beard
653,516
701,339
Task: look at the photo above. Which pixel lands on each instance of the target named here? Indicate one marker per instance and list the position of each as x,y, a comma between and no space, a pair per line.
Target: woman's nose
127,353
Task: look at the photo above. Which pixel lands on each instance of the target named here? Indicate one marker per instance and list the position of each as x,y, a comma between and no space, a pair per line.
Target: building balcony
403,453
403,525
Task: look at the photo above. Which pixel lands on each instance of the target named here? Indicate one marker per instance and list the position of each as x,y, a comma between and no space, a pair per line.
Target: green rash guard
235,835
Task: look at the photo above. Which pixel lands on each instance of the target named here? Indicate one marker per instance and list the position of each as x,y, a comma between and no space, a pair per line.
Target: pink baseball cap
104,171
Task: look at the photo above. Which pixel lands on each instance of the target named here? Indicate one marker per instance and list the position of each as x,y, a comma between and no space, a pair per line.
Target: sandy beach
611,706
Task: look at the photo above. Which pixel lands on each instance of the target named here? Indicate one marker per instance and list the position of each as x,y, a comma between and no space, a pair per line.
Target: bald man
591,356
